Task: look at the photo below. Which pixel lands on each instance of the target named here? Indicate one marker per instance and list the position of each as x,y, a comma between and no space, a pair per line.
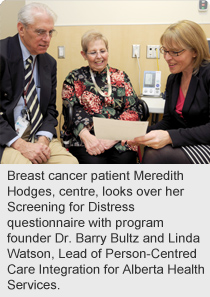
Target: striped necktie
31,98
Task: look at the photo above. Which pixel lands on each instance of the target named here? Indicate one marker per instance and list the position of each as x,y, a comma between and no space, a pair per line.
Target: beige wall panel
119,12
8,17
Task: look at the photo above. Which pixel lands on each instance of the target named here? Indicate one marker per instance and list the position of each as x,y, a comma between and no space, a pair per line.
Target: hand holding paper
118,129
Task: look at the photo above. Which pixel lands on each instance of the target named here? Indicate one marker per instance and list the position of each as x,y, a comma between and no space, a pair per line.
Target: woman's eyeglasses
171,53
95,53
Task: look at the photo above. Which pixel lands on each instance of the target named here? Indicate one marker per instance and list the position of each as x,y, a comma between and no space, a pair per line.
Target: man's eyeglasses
95,53
44,33
171,53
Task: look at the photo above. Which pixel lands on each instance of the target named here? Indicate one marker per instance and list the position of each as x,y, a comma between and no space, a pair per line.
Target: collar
25,51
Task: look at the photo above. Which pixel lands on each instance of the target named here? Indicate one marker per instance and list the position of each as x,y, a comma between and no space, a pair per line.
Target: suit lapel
175,91
190,94
175,94
16,65
16,69
45,82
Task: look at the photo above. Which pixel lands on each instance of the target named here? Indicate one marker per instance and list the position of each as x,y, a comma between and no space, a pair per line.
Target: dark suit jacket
194,127
12,84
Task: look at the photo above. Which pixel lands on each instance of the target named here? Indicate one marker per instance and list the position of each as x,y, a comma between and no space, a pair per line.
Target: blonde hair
188,35
90,36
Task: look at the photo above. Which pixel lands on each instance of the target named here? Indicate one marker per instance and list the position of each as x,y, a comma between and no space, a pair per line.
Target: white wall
126,12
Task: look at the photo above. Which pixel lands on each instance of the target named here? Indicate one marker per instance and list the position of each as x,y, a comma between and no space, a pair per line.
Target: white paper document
117,129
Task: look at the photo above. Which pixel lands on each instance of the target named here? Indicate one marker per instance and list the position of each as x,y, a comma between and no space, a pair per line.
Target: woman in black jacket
183,135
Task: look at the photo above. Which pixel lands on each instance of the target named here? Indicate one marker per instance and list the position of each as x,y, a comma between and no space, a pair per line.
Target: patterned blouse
80,90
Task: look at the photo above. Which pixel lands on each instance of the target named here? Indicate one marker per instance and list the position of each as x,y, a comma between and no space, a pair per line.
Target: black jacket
12,84
194,127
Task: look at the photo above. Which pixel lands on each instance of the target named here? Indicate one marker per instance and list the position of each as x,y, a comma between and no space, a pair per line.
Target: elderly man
28,92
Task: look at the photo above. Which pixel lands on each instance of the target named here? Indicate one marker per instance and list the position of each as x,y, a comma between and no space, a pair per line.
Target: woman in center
101,91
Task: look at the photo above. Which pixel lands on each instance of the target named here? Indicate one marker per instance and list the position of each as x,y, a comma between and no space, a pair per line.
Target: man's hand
44,140
37,153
